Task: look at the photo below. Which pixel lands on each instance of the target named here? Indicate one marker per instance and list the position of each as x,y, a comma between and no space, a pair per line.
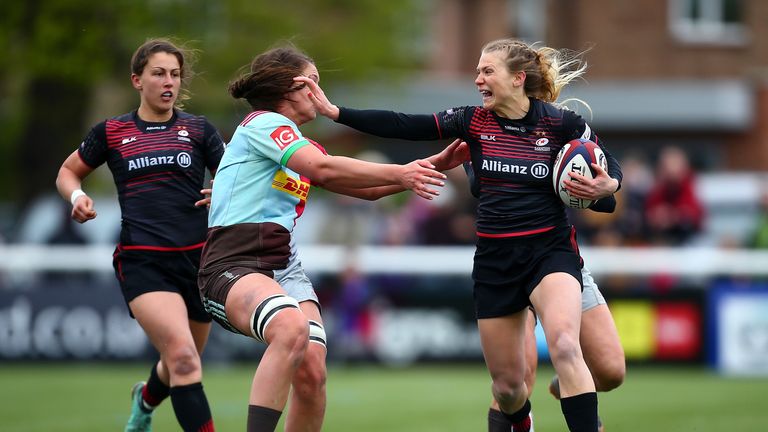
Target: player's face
494,82
160,82
302,106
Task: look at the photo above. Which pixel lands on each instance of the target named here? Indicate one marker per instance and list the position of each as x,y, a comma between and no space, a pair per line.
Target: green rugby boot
141,418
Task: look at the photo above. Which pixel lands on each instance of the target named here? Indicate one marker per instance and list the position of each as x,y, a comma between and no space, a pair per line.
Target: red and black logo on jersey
284,136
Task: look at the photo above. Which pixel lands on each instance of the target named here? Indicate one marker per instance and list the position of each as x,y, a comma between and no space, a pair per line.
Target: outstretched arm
343,172
452,156
387,124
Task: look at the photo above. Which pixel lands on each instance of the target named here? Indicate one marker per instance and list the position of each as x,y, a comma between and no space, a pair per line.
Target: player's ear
136,81
518,79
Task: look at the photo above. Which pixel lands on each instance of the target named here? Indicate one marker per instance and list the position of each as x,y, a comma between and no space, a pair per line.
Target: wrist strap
77,193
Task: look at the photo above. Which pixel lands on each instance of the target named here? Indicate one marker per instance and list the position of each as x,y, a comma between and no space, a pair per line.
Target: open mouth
486,94
167,96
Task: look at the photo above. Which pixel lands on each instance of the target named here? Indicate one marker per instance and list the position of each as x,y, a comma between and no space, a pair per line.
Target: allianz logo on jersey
183,159
537,170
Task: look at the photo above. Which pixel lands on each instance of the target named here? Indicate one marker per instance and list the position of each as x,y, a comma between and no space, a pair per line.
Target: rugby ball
576,156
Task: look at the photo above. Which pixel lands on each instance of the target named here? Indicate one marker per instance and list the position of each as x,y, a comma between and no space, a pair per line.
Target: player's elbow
323,173
61,177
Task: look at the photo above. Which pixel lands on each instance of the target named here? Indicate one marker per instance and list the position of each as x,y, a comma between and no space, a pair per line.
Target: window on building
718,22
529,19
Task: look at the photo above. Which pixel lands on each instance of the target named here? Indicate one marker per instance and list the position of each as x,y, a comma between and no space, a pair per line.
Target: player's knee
509,391
611,376
182,361
310,379
278,321
564,348
290,334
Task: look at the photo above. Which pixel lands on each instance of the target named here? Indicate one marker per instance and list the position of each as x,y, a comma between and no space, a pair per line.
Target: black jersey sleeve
614,168
214,146
93,149
604,205
391,124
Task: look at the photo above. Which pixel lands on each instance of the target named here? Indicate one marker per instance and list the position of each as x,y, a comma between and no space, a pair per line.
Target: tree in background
60,55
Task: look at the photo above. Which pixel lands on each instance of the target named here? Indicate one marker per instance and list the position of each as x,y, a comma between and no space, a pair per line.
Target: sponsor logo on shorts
229,275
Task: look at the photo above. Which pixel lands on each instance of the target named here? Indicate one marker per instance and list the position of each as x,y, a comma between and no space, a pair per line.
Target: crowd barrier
62,303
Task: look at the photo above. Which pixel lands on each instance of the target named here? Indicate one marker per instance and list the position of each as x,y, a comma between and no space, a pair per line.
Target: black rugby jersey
159,169
511,159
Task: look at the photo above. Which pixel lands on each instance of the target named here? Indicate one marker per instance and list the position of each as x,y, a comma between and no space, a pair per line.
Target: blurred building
692,73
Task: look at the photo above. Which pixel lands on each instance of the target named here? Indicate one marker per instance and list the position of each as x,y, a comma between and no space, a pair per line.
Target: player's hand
452,156
323,106
601,186
419,176
206,201
82,210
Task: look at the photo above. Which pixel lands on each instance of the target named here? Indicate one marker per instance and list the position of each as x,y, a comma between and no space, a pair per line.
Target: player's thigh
245,296
200,332
503,344
600,343
163,316
557,301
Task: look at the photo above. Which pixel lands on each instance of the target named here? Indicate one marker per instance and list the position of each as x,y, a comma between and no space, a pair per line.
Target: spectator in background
447,220
630,208
350,221
673,211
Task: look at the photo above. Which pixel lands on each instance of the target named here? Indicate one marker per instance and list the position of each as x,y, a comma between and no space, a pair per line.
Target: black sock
155,391
580,412
498,422
519,419
191,408
262,419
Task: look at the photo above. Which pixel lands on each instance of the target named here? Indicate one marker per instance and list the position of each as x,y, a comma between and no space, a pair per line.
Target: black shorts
143,271
214,286
506,270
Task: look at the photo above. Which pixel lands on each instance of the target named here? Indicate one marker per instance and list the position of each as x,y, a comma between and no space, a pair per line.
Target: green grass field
94,397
